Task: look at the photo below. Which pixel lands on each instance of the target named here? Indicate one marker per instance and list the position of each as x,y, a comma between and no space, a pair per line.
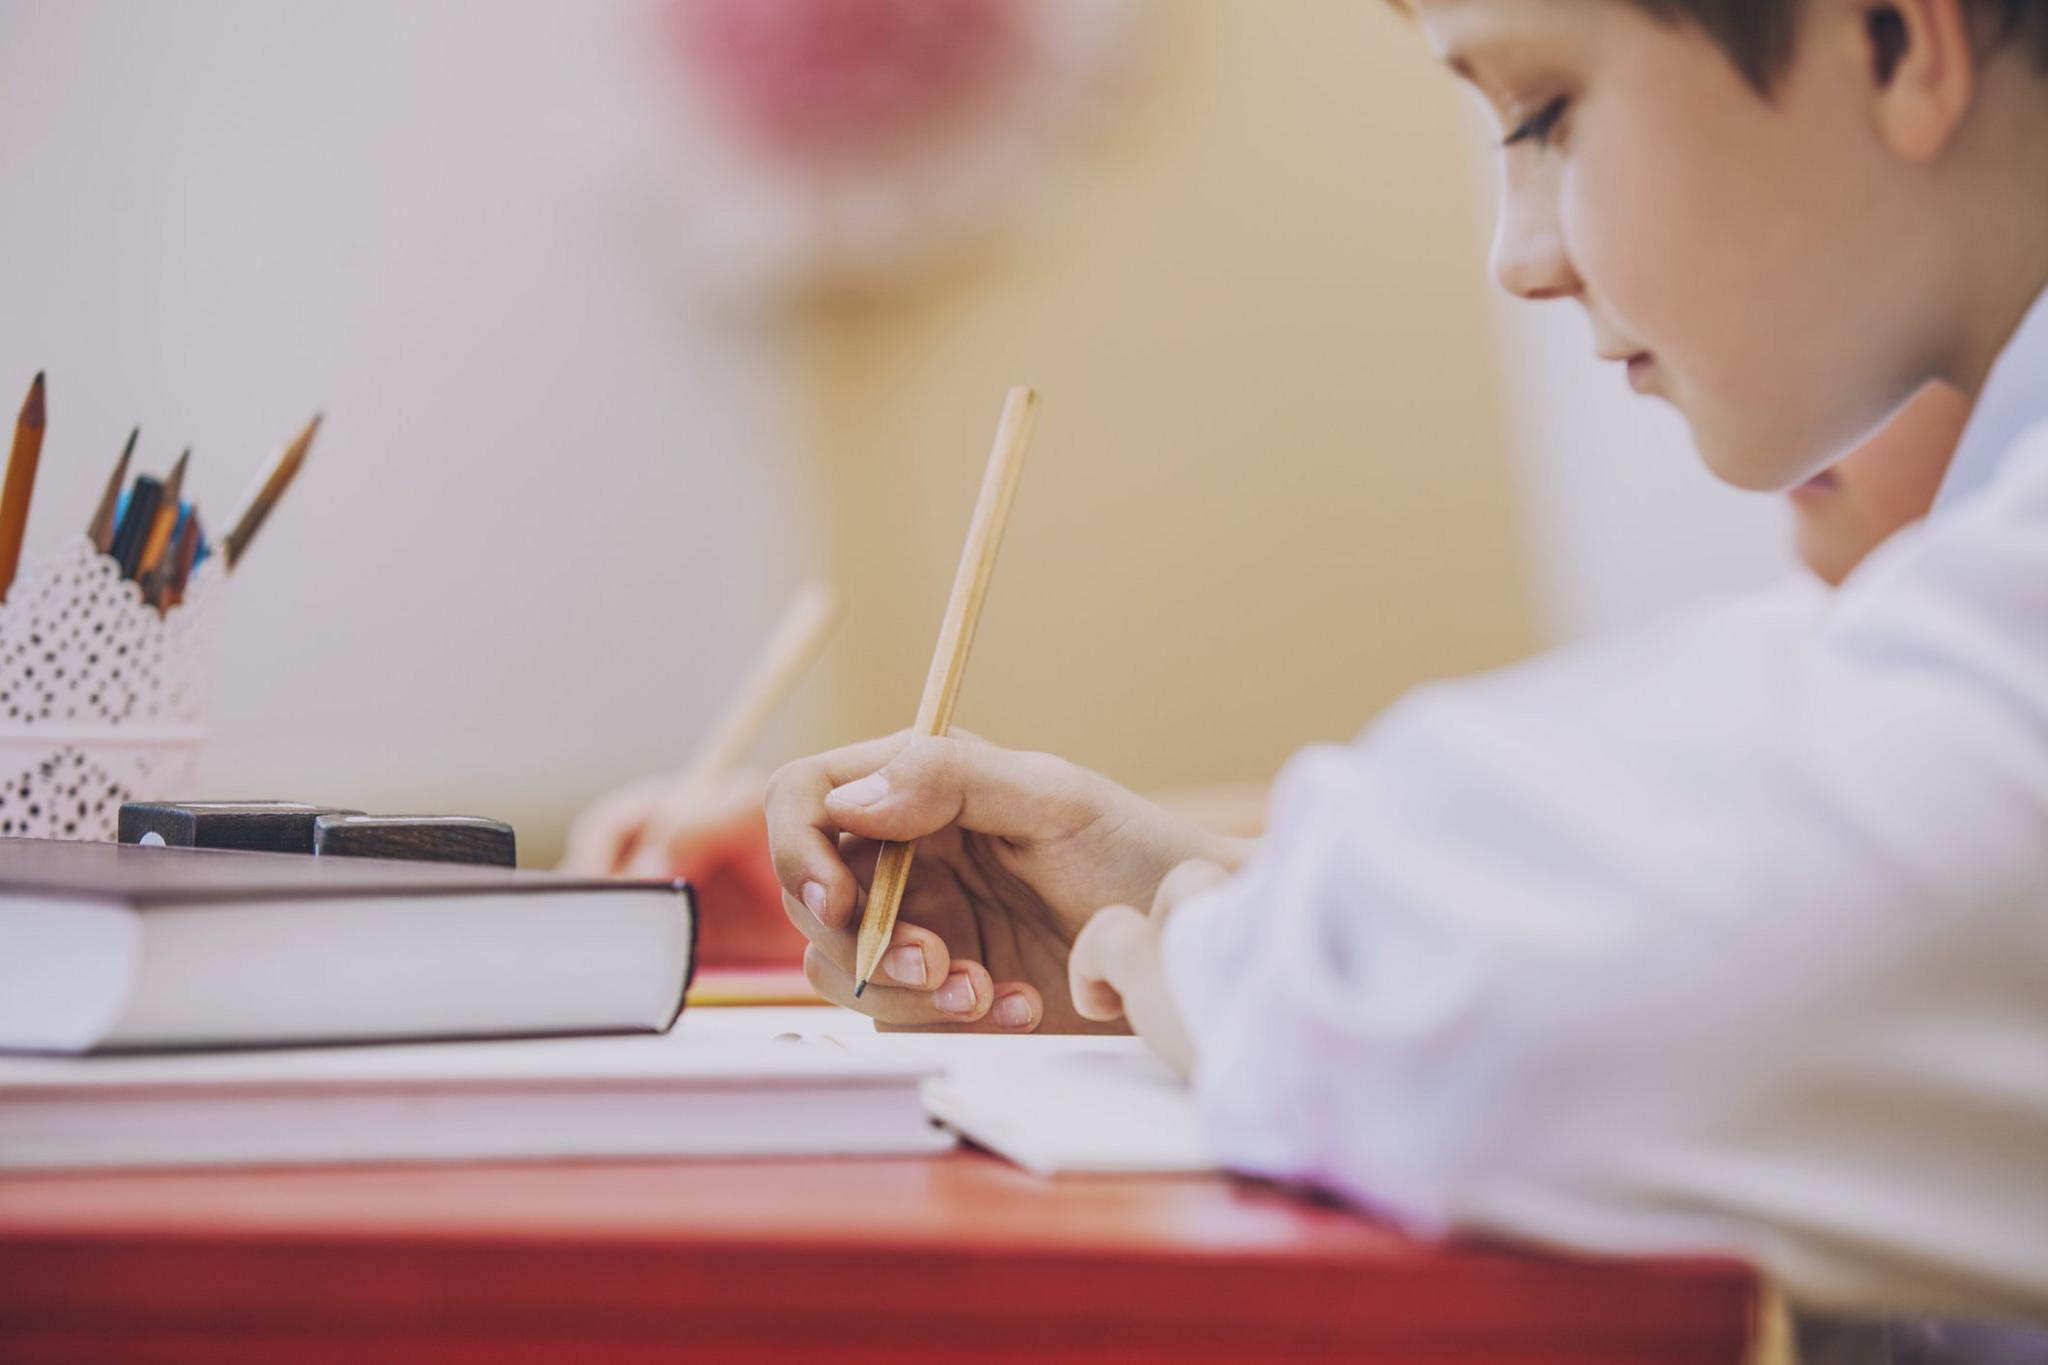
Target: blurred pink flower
829,79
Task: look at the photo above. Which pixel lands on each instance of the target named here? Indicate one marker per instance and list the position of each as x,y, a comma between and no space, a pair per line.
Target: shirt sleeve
1728,937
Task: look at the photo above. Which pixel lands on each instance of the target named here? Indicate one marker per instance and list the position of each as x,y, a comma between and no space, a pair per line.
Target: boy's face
1751,260
1852,507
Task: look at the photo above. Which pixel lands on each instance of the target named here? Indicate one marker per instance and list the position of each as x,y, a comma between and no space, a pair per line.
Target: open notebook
1105,1107
1052,1104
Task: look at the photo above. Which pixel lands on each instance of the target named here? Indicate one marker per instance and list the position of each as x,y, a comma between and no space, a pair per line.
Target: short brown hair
1758,35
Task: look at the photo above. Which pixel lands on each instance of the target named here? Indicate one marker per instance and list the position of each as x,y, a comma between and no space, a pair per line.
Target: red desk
852,1261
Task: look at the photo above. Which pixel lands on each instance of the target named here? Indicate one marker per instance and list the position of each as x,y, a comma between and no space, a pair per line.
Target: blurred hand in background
708,833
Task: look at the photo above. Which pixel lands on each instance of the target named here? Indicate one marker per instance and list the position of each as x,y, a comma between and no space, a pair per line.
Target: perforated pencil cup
103,699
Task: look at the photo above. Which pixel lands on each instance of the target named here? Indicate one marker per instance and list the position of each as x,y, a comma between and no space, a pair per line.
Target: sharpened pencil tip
32,410
858,987
302,442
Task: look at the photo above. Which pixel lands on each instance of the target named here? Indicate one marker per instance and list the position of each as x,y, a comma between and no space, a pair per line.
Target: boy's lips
1639,365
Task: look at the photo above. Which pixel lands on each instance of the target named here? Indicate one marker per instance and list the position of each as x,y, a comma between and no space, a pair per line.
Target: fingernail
1013,1011
957,995
814,898
863,791
905,964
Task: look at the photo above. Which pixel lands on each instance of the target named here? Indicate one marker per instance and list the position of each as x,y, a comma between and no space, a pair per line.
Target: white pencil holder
103,699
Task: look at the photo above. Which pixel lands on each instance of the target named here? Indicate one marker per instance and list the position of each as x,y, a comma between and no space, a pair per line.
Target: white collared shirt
1730,935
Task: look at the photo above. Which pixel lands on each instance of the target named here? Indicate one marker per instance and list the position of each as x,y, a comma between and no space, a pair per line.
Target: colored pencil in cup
248,518
20,485
100,531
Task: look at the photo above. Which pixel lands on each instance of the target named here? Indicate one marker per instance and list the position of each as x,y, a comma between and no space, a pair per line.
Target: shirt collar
2014,397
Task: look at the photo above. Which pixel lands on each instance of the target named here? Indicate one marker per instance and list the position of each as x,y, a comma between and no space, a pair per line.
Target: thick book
116,947
548,1100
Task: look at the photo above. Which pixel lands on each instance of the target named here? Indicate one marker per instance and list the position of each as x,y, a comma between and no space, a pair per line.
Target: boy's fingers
1018,1008
1103,953
1117,941
916,958
801,836
1115,971
932,782
964,995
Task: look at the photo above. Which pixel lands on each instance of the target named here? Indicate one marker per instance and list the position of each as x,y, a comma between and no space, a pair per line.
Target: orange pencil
159,539
21,482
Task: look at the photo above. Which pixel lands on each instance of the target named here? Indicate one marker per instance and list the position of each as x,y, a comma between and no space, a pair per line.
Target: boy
1729,936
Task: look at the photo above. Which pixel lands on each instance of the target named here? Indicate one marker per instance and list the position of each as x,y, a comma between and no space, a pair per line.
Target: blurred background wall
1269,489
1292,458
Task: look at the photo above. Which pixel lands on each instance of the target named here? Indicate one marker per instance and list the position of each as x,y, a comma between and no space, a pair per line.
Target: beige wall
1268,490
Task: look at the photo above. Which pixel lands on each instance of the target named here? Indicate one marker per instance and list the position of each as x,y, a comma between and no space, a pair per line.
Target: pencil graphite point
858,987
32,410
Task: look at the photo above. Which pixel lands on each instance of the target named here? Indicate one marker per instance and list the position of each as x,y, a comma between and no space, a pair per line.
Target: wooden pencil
248,518
158,541
100,531
20,485
949,658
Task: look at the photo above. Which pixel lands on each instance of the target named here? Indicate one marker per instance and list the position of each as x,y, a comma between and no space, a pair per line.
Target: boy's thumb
936,782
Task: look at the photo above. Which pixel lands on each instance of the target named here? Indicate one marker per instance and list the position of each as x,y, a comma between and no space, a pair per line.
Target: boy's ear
1923,72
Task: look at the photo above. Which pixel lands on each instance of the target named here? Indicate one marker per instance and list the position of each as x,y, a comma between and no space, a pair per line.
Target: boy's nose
1529,257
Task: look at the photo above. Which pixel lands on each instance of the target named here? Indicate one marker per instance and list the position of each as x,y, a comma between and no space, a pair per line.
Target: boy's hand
1016,851
1117,971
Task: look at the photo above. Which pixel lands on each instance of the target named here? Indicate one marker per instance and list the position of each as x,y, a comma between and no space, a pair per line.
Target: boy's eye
1538,126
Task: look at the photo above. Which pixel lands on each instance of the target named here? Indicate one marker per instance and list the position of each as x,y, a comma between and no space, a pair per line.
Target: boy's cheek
1668,212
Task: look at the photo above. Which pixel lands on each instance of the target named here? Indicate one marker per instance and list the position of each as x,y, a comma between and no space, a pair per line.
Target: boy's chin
1753,458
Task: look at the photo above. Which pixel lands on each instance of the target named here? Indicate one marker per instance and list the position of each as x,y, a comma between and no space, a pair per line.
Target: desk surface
859,1260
